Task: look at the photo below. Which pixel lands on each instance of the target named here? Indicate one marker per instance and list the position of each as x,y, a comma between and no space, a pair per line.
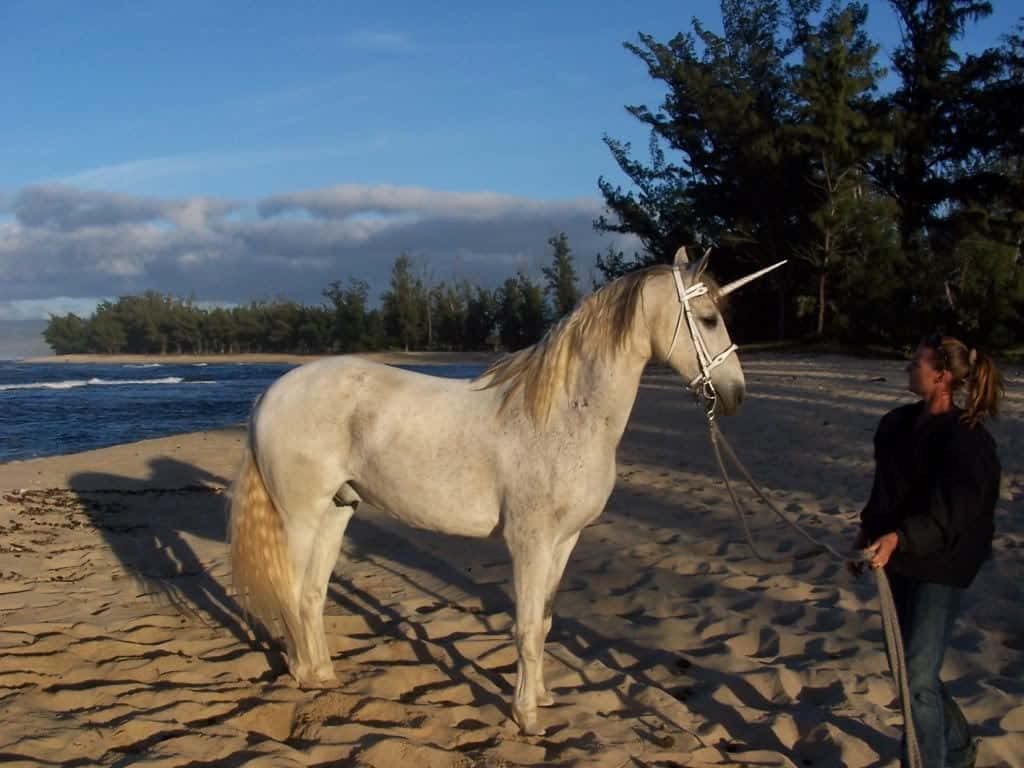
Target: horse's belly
455,511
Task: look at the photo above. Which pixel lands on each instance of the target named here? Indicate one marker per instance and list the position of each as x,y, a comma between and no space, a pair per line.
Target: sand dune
120,642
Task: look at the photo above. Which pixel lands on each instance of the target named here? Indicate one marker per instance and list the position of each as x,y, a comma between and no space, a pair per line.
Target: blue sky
241,150
243,99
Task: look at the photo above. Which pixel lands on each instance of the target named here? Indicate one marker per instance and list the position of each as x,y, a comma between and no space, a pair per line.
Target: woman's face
923,377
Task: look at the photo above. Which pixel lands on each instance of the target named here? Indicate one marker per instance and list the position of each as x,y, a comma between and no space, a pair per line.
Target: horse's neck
606,390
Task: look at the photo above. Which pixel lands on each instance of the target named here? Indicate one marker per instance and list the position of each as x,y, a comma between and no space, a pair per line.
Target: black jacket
937,486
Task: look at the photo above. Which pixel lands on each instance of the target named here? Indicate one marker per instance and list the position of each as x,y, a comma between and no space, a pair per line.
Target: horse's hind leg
314,541
323,555
561,557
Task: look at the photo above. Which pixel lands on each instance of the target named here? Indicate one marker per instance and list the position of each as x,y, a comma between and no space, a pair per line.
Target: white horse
527,450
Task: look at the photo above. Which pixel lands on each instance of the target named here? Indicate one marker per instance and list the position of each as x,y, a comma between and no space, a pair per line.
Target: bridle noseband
701,384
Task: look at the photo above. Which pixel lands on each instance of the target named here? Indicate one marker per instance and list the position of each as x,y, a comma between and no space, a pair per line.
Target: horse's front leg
559,560
531,564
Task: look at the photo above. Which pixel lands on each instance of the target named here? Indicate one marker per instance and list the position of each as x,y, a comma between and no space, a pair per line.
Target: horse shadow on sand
440,566
438,558
156,527
154,524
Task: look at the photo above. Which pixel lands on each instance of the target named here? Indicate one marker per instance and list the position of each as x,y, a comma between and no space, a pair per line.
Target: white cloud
348,199
138,171
40,309
122,266
71,242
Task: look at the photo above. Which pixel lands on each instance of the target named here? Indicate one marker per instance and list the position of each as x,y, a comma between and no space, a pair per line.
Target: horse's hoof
527,725
533,729
308,679
326,677
320,683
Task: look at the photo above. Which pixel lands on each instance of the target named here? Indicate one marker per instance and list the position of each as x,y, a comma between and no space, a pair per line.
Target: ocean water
51,409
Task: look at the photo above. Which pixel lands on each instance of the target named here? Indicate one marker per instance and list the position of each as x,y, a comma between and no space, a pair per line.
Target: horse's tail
259,547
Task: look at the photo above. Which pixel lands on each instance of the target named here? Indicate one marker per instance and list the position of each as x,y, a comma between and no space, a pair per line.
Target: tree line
413,313
900,212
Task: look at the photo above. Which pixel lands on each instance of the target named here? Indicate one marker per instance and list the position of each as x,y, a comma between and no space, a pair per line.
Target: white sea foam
94,382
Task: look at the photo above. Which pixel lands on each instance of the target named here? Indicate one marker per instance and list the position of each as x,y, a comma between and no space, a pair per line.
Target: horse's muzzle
729,399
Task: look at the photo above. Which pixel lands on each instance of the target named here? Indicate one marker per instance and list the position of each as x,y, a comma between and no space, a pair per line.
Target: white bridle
702,383
705,362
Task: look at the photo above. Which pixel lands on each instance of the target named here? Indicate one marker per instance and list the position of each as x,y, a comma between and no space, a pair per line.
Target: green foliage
900,213
723,116
869,294
219,331
561,277
67,334
987,297
351,323
405,306
937,128
105,333
834,134
520,312
449,309
458,316
481,318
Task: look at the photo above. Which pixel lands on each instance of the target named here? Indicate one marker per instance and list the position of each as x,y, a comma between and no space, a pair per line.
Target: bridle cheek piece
701,385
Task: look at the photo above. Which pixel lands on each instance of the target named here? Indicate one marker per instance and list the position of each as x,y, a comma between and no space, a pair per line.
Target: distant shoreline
390,358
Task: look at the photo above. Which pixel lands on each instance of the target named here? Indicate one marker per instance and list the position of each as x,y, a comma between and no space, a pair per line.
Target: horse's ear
703,262
681,259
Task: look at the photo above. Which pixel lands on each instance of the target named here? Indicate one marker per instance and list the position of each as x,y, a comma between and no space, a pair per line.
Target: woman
929,522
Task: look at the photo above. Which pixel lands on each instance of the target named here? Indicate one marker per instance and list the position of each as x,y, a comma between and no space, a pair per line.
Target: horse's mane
597,328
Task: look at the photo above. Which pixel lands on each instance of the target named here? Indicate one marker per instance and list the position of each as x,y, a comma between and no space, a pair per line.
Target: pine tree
952,121
930,135
350,315
561,277
724,120
833,129
404,305
481,317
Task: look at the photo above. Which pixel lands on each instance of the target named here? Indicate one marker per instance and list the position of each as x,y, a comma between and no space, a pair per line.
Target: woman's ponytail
985,388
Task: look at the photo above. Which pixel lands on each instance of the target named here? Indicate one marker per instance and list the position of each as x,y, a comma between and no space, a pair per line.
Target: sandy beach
672,645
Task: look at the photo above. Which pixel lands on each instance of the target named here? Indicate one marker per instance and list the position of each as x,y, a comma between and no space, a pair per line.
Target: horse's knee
528,639
313,598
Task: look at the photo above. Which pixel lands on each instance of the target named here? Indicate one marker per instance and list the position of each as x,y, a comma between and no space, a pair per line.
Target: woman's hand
881,549
856,567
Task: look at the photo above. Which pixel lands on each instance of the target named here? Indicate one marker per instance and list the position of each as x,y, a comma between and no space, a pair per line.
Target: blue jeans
927,613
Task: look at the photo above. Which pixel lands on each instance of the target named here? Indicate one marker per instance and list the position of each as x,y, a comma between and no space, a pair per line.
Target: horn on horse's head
727,289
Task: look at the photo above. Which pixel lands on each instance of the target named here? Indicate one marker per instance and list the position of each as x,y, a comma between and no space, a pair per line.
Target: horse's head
689,333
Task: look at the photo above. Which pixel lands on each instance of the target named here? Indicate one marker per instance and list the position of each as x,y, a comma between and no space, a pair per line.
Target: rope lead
890,621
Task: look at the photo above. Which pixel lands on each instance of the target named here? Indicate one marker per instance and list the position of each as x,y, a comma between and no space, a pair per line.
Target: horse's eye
710,321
